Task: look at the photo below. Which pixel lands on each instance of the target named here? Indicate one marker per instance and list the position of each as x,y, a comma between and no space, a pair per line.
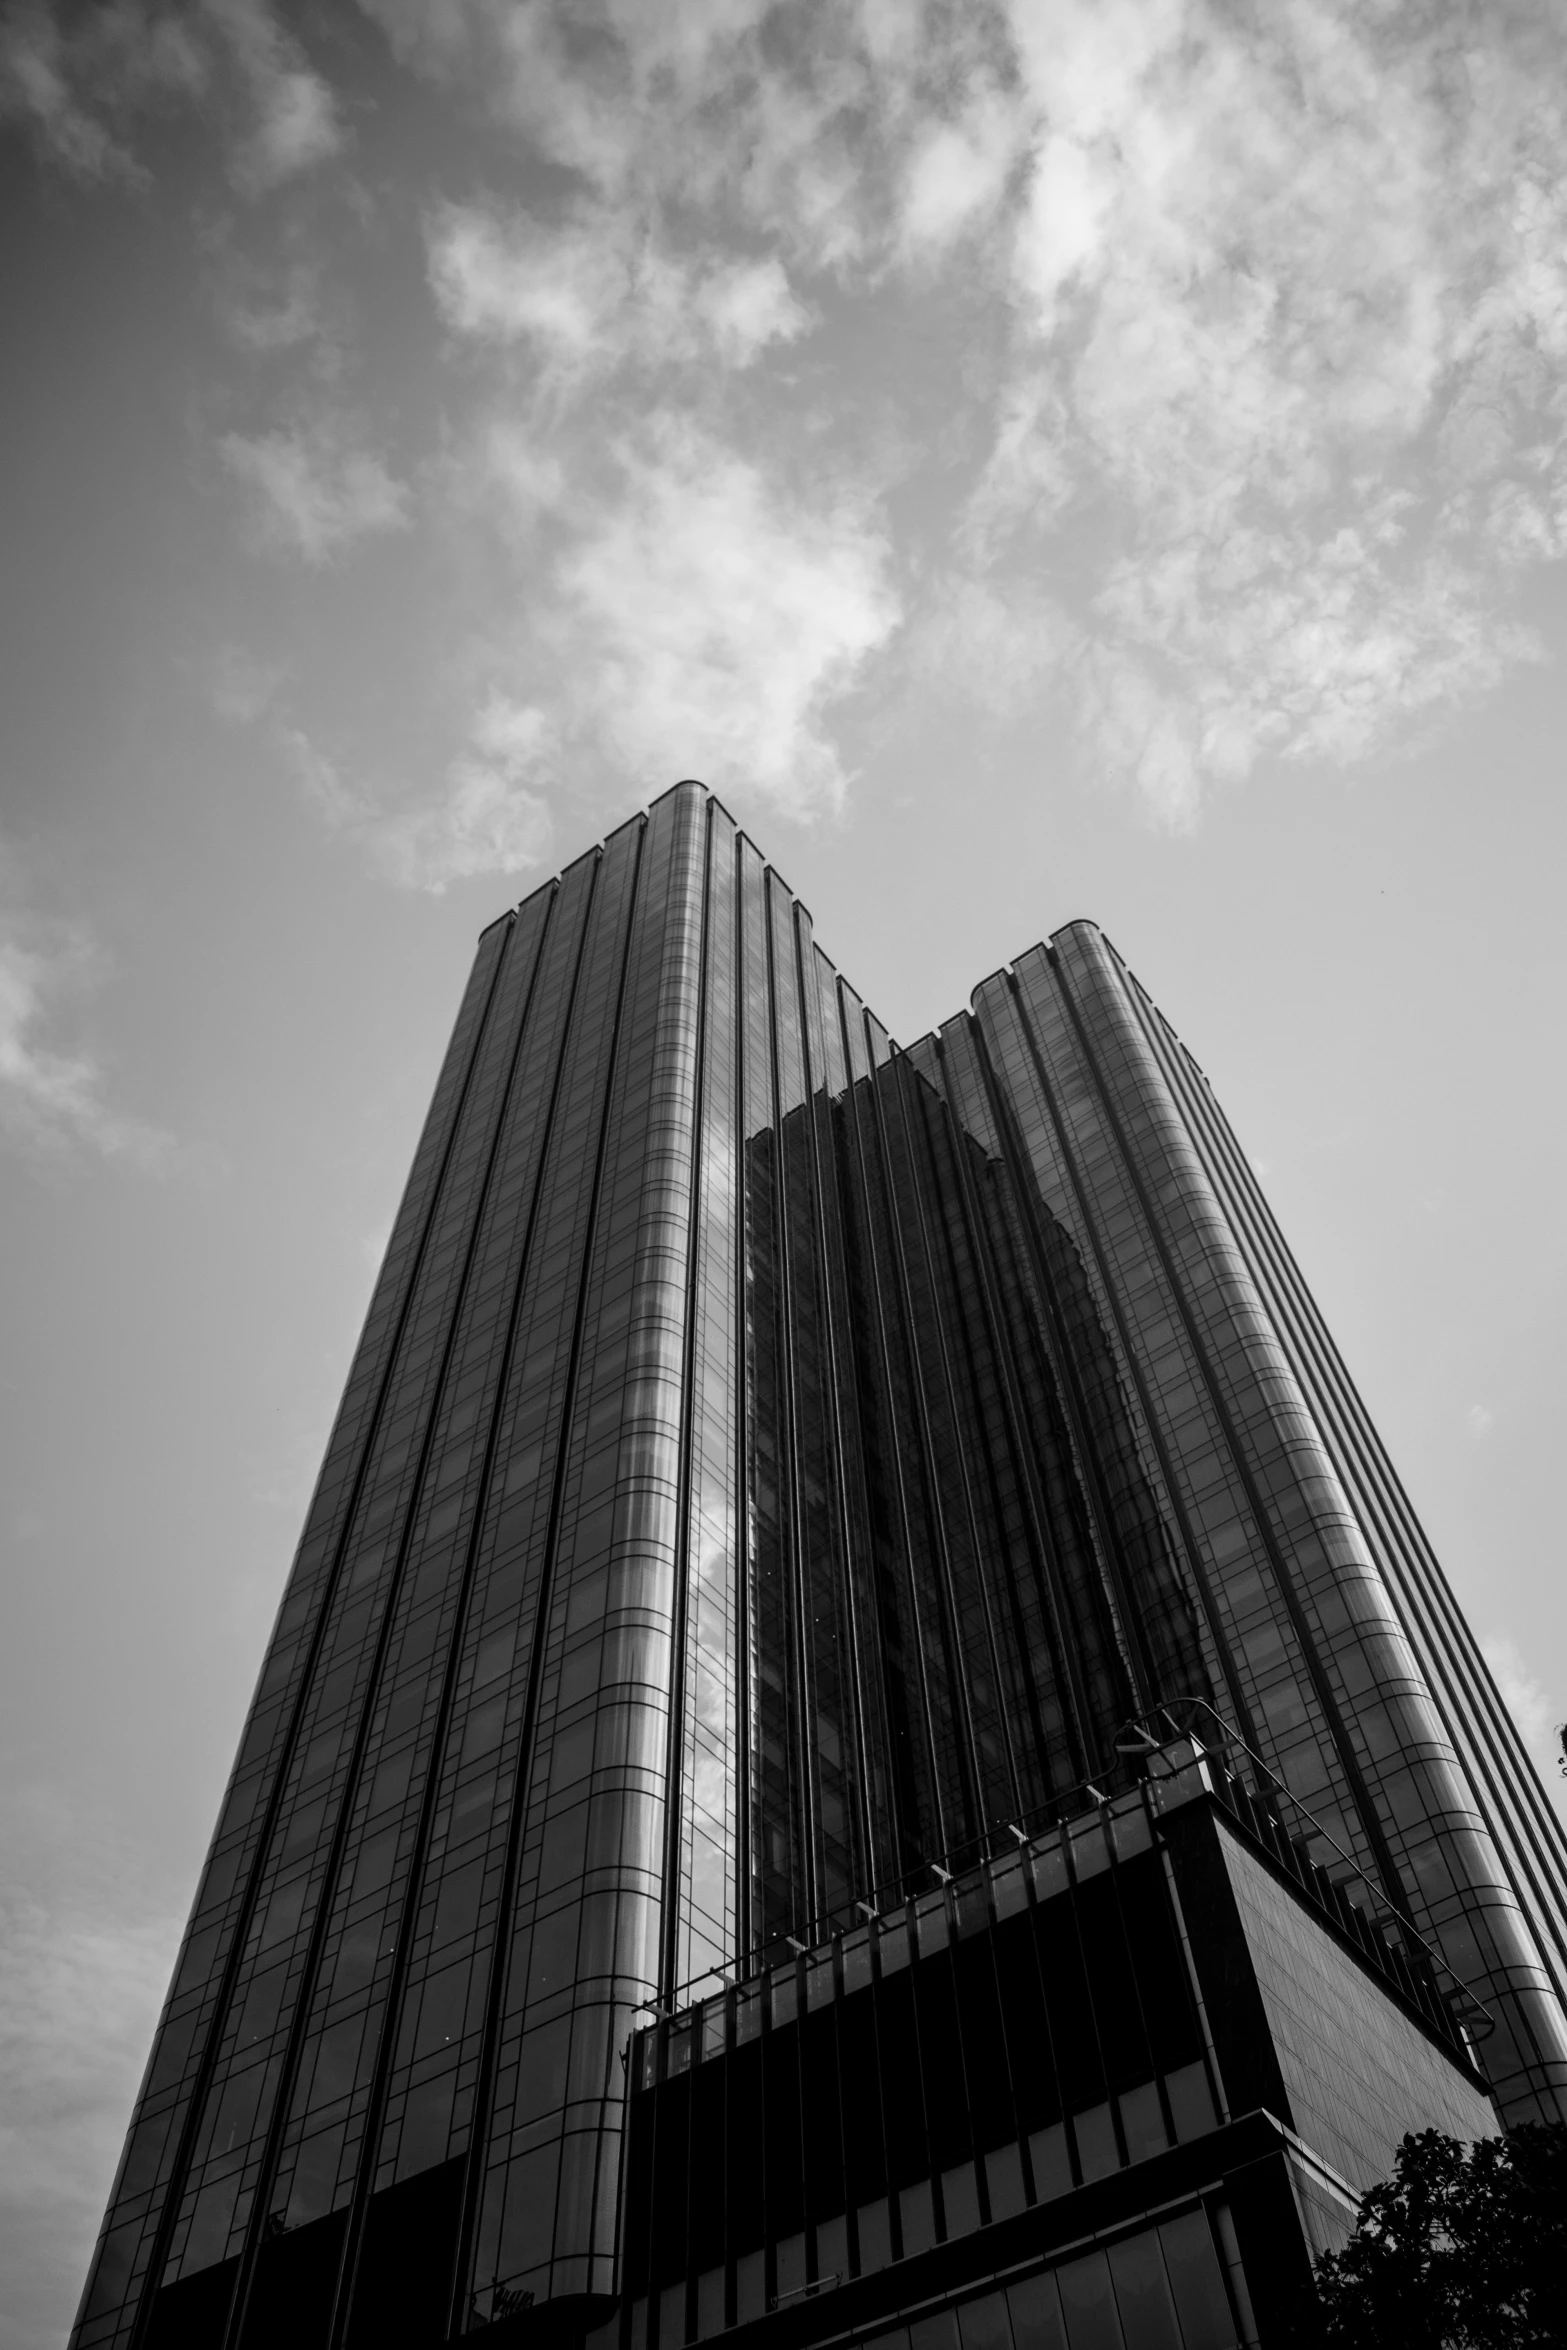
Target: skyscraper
861,1725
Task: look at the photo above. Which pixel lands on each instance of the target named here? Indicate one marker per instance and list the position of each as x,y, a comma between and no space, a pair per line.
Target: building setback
862,1734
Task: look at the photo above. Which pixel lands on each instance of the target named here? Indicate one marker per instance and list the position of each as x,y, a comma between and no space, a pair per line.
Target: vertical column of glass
862,1711
951,1561
120,2274
1049,1515
706,1927
466,1899
1012,1676
1121,1435
1139,1532
260,2040
774,1897
342,2086
1235,1397
853,1418
449,1901
587,1909
903,1540
1293,1702
1065,1440
343,2010
1148,1557
1135,1318
1404,1757
486,1778
952,1344
1527,1832
828,1746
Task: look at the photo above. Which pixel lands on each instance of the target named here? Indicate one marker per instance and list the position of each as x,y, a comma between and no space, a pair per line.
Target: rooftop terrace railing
1381,1928
1153,1753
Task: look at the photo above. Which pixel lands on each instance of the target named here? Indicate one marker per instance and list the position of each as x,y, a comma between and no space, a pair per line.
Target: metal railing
1411,1953
999,1836
1415,1964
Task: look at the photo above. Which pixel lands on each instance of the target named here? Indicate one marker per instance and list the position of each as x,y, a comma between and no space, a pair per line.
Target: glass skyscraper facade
855,1678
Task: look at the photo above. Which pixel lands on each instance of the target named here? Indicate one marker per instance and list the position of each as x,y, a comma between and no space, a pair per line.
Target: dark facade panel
1093,2000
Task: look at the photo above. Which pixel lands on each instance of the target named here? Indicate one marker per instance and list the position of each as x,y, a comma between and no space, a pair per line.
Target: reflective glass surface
775,1468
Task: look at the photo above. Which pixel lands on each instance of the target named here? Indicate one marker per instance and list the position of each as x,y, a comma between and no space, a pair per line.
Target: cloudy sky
1033,459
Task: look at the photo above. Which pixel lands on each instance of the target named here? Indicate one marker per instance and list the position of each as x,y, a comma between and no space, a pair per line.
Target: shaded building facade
786,1480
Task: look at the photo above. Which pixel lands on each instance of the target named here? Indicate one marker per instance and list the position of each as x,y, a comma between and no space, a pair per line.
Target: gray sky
1032,459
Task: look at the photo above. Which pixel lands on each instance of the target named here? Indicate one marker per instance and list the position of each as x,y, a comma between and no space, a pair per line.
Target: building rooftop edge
1079,922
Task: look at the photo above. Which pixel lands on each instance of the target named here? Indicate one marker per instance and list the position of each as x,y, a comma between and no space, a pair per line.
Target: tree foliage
1463,2248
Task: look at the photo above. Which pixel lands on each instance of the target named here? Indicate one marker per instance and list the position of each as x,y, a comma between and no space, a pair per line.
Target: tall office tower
861,1738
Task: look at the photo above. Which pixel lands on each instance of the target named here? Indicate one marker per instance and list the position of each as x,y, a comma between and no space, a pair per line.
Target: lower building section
1160,2256
1111,2086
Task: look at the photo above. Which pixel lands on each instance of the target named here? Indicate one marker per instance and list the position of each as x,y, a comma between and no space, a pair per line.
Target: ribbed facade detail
775,1463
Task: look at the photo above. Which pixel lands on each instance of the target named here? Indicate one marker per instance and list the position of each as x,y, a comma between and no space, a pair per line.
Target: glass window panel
1142,2296
710,2303
1051,2161
750,2286
1142,2121
1191,2101
1035,2309
1088,2304
960,2199
1197,2282
939,2331
1097,2151
984,2324
874,2226
1004,2182
916,2211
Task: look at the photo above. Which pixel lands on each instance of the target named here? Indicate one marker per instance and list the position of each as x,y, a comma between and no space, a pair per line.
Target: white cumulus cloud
1267,309
698,615
597,289
1254,324
86,80
1280,284
486,816
294,117
1218,348
53,1091
310,492
515,281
